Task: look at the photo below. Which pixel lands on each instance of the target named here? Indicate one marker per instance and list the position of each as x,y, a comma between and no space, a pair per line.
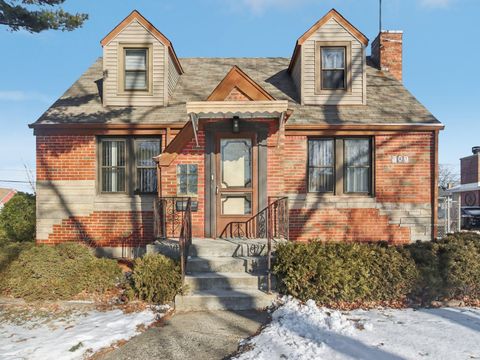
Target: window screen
357,165
145,150
333,68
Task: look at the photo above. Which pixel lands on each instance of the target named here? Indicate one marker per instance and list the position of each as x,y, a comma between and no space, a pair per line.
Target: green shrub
9,252
156,278
17,218
346,272
58,272
449,268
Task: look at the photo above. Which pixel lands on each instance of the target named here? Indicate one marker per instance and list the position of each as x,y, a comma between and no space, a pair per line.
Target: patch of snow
305,331
71,337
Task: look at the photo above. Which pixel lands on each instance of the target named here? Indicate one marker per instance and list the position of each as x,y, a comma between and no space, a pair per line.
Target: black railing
185,239
169,213
173,220
271,223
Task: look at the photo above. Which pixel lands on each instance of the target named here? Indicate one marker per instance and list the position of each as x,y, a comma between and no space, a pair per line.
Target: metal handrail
271,223
185,239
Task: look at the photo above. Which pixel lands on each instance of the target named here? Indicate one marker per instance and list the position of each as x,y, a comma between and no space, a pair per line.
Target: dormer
140,67
328,65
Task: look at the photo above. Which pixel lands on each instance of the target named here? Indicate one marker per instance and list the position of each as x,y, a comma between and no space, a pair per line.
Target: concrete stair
226,275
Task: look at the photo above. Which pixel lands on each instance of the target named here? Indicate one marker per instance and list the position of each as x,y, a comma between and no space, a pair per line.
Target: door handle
216,190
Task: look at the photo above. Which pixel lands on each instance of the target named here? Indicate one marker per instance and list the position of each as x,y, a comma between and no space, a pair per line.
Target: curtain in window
333,68
135,69
113,166
357,162
145,150
321,165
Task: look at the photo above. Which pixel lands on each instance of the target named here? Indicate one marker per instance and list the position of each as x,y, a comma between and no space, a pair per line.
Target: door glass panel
236,204
236,163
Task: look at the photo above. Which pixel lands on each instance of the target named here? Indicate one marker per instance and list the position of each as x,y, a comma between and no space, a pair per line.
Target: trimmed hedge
344,272
449,268
156,278
362,272
58,272
17,218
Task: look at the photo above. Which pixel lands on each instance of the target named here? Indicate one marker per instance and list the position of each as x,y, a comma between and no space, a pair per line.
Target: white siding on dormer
332,31
134,33
297,75
173,75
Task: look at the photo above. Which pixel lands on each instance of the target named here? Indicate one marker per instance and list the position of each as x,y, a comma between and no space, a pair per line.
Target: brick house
331,129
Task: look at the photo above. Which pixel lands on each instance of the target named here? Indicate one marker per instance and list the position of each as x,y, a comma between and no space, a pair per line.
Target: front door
236,183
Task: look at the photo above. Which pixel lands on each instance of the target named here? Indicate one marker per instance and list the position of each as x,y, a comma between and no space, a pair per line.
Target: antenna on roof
380,17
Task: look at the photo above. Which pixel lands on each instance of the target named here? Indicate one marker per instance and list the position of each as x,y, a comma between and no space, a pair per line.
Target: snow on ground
308,332
69,337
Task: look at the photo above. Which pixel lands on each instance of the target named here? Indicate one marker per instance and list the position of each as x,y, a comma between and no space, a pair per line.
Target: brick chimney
387,52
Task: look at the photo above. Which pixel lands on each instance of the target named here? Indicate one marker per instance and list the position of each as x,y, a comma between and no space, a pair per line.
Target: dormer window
136,69
333,68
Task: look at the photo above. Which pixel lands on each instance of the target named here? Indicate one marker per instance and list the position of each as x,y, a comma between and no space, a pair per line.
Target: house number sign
400,159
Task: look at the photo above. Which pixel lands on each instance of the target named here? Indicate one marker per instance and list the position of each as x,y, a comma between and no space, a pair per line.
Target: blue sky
441,53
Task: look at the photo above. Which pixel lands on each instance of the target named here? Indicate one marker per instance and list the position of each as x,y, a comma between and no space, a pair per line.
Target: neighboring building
5,196
470,179
333,130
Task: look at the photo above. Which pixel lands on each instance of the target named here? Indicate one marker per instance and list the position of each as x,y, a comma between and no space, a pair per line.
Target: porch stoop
226,275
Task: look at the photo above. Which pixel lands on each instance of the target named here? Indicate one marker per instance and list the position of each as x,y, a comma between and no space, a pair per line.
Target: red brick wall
404,183
344,225
189,155
73,158
106,228
65,158
408,183
470,169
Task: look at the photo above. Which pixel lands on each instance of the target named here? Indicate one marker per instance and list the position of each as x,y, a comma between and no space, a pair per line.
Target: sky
441,52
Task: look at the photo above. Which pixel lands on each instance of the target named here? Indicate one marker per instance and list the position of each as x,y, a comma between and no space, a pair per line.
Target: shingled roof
388,102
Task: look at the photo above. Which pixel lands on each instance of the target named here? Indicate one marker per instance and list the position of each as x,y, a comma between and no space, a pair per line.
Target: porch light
236,125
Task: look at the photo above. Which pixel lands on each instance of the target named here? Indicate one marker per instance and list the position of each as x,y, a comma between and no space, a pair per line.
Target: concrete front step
226,264
226,281
223,300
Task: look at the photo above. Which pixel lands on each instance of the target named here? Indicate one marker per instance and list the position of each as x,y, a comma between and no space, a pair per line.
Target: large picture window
127,166
340,165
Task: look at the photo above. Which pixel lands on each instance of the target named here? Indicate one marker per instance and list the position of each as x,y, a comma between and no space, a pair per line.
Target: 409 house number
400,159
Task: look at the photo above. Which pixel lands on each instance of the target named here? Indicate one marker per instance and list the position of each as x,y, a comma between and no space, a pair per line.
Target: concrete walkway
194,335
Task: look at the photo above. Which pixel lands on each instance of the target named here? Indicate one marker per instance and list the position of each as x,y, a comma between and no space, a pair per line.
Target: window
126,165
357,165
321,164
333,68
113,165
145,150
187,179
340,165
136,69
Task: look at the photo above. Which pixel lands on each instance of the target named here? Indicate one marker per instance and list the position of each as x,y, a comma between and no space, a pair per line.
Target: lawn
27,333
305,331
